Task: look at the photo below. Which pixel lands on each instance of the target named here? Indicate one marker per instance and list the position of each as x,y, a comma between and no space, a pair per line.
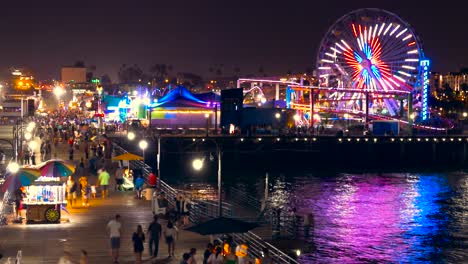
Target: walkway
86,229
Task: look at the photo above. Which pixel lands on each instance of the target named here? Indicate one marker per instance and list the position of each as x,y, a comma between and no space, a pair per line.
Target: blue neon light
358,58
425,89
366,76
367,51
376,72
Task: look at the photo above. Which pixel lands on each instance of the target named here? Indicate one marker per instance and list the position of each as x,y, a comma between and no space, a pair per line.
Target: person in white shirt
114,226
170,233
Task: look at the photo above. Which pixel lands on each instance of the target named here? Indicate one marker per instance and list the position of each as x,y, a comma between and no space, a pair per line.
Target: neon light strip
365,34
411,59
404,73
425,90
182,111
335,50
324,68
393,81
328,61
354,30
339,46
395,29
399,78
408,67
381,28
324,75
412,51
359,43
330,55
375,30
369,34
401,33
386,30
346,44
412,43
407,37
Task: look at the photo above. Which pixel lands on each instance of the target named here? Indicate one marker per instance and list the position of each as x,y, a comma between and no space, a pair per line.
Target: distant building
454,80
73,75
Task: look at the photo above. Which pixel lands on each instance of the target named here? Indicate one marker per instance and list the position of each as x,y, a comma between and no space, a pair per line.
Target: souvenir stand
44,200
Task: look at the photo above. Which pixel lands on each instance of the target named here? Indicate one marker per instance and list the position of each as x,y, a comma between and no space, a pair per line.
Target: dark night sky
193,35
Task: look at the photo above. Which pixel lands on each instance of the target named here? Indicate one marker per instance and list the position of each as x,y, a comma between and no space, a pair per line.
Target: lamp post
143,145
198,165
207,117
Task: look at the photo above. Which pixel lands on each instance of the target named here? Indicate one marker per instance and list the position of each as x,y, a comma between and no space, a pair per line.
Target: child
93,191
86,192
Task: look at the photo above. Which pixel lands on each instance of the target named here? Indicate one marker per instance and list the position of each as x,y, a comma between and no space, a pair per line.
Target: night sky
194,35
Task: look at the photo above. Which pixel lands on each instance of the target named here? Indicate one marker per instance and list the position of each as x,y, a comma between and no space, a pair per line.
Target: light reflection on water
385,218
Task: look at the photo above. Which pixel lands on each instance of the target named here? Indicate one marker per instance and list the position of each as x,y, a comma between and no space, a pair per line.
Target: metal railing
257,245
203,210
243,198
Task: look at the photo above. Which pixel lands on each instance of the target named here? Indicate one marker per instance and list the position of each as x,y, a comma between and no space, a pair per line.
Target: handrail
244,198
257,245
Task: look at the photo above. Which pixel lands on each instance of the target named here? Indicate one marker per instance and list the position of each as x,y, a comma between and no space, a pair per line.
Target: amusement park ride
370,65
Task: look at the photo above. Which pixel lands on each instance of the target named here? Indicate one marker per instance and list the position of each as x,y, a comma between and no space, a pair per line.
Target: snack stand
44,200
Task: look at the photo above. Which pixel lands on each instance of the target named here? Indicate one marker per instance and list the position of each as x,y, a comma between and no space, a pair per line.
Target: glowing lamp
13,167
143,144
131,135
197,164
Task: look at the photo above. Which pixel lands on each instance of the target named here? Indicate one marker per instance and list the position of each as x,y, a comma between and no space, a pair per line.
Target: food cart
44,200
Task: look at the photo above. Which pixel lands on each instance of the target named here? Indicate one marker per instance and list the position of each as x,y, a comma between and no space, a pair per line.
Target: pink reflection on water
361,217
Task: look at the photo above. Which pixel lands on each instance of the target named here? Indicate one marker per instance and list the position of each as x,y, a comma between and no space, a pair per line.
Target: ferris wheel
373,50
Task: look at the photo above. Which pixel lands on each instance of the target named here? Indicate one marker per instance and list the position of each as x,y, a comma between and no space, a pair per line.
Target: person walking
71,191
185,207
104,182
170,233
192,259
138,238
119,172
154,232
217,257
115,229
139,182
207,253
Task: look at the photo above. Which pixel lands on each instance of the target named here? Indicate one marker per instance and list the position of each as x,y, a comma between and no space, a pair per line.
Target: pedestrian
217,257
115,229
71,191
70,154
185,207
152,180
139,182
86,148
85,195
104,182
185,258
81,168
154,233
119,172
207,253
138,238
66,258
19,195
170,233
192,259
231,258
33,157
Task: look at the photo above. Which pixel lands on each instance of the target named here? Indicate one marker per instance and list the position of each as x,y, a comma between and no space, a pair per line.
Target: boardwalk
86,229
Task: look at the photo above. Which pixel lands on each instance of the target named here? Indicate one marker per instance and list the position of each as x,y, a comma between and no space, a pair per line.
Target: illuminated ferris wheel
373,50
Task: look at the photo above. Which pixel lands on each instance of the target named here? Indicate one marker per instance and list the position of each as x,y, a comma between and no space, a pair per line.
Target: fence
244,199
257,245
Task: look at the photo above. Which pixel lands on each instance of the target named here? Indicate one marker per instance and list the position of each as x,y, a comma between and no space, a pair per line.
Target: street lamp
207,116
13,167
346,116
277,115
198,165
465,114
143,145
28,135
131,136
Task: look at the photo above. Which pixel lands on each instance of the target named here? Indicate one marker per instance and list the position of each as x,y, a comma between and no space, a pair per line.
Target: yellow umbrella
127,156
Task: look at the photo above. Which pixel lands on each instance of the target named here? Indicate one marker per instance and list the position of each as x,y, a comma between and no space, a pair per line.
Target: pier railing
257,245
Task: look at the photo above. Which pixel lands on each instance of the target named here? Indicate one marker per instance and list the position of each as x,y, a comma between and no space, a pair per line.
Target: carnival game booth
44,199
181,109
